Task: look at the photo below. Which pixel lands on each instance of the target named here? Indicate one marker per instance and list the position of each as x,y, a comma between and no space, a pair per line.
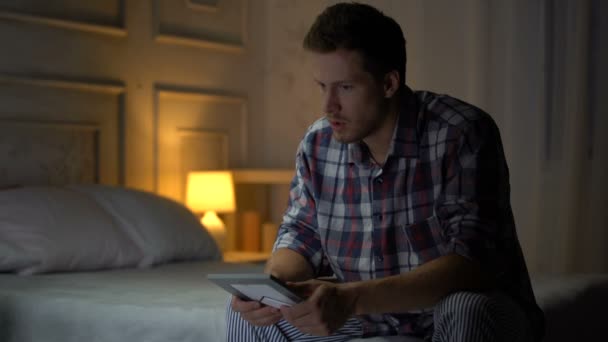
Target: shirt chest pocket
426,239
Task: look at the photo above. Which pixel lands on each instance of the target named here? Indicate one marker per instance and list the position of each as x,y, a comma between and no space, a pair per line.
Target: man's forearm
418,289
288,265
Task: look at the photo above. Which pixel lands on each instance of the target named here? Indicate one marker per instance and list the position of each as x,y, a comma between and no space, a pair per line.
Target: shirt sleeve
298,230
474,210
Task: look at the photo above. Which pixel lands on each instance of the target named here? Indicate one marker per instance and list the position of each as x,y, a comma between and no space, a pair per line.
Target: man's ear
391,83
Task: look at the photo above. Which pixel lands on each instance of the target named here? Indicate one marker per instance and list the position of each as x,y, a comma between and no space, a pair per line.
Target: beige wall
173,85
163,86
447,57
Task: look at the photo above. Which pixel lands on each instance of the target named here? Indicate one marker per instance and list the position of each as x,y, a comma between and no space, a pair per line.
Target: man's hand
324,312
284,264
256,313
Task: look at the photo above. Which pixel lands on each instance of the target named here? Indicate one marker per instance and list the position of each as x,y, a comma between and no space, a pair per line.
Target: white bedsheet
176,303
168,303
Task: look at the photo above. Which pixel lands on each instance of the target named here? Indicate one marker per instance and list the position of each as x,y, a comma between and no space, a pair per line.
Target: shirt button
379,180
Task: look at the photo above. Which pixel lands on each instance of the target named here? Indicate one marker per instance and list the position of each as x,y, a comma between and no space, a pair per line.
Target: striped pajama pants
459,317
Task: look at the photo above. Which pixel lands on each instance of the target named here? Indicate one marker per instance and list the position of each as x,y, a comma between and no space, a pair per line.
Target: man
404,197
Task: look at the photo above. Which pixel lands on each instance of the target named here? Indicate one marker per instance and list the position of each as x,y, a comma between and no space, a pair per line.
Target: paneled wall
197,130
56,131
135,92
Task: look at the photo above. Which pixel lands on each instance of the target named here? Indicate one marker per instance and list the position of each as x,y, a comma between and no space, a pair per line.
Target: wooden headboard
45,153
55,131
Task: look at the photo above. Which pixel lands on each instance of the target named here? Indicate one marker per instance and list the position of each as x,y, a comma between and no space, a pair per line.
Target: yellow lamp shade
210,191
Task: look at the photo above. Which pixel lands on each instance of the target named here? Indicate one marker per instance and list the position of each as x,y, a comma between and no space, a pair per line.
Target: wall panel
197,129
45,121
207,24
39,153
105,17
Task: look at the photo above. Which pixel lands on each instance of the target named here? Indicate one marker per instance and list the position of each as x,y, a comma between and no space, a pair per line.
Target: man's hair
362,28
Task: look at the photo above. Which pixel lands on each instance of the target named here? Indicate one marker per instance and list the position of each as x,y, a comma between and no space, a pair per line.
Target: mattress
173,302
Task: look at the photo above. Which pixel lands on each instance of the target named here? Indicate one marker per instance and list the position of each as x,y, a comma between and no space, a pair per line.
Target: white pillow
47,229
163,229
13,257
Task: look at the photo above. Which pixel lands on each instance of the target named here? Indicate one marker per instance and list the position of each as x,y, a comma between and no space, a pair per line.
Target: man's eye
346,87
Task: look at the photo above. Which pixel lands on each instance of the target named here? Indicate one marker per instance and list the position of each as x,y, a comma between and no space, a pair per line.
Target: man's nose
331,102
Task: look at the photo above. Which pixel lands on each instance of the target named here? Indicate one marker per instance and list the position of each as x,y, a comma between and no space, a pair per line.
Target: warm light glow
210,191
215,227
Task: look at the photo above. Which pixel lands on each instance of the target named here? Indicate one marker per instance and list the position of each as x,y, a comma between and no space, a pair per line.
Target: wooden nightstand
254,257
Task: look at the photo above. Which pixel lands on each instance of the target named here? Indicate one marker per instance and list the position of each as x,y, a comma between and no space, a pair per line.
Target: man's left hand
326,309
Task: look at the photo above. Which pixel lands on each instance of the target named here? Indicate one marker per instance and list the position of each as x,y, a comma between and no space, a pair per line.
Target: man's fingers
269,317
255,312
297,312
304,288
297,315
239,305
305,317
310,307
311,316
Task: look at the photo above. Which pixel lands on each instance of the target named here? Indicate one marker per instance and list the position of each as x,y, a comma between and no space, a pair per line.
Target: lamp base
216,228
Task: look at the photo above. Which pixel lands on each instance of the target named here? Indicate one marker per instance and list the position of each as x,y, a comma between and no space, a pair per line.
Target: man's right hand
284,264
256,313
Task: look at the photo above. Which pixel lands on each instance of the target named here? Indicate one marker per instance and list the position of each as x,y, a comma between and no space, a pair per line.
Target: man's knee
480,316
465,304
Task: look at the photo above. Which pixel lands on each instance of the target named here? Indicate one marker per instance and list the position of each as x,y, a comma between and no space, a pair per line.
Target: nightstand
253,257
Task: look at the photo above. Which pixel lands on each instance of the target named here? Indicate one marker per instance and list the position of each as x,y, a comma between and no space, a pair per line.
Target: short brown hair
363,28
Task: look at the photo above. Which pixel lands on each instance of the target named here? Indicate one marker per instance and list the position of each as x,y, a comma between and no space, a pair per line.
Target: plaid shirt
443,189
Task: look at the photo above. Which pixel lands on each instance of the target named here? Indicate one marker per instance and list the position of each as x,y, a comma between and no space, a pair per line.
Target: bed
170,302
103,263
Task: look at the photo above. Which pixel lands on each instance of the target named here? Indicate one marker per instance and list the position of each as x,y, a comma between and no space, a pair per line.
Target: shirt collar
405,135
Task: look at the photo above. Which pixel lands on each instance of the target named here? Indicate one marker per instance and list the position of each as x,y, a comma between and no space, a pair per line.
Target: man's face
353,100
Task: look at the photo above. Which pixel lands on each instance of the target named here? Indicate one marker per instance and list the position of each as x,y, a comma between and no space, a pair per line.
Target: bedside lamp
211,192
